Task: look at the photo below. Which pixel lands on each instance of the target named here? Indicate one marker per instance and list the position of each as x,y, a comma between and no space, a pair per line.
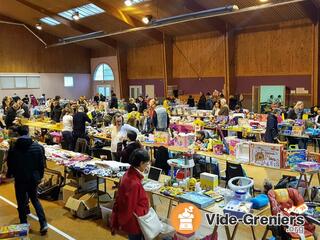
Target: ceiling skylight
50,21
84,11
129,3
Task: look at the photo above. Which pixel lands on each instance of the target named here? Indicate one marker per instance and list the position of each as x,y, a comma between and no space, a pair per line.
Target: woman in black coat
202,101
271,134
190,101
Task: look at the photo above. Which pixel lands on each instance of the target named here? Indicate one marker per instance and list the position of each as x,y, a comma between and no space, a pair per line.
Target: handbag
150,224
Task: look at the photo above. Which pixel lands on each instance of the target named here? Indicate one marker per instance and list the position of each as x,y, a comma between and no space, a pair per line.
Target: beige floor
60,218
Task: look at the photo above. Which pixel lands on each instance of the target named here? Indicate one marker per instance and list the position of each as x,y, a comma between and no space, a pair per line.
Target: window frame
102,65
64,81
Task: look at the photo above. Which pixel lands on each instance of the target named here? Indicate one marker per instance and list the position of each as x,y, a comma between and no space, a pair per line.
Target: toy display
308,166
237,208
198,199
294,157
266,154
161,137
171,191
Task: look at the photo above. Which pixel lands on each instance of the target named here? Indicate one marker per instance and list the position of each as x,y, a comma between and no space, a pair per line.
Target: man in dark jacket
96,98
209,102
131,145
26,163
143,105
56,111
271,134
114,101
190,101
11,115
26,99
79,124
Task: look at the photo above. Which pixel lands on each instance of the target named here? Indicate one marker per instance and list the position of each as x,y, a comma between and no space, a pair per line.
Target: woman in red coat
131,197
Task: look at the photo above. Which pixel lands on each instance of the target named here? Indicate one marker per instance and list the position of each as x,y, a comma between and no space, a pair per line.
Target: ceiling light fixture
38,26
76,16
263,1
147,19
195,15
128,3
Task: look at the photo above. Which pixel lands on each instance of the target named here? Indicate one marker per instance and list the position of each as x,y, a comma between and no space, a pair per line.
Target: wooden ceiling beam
218,24
45,37
311,10
128,20
71,24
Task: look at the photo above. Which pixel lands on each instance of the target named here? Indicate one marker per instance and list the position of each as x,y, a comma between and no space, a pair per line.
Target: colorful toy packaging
208,181
232,145
184,140
161,137
293,157
14,231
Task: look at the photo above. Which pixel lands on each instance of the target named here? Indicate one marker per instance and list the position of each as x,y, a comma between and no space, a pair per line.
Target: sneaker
44,229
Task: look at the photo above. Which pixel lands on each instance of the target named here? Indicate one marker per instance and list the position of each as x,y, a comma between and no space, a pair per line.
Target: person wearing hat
271,135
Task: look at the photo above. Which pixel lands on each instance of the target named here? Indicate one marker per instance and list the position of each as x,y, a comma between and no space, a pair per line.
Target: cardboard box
266,154
243,152
14,231
209,181
68,191
87,183
82,206
161,137
293,157
237,208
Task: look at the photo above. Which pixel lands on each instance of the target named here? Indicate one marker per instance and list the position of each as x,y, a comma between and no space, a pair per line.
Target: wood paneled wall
103,52
20,51
204,52
145,62
284,49
262,53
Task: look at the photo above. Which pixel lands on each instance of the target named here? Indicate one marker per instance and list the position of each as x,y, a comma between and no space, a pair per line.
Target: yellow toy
192,184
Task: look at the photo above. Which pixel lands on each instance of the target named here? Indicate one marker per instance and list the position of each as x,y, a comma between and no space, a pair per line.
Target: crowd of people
26,158
216,102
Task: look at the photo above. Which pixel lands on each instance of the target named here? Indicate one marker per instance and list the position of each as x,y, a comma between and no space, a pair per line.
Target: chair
161,155
236,170
286,198
233,170
81,145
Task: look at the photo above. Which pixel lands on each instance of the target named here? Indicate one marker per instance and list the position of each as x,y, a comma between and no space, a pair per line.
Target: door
105,90
150,91
135,91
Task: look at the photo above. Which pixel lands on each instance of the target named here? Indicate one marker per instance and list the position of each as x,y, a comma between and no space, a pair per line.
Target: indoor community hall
159,119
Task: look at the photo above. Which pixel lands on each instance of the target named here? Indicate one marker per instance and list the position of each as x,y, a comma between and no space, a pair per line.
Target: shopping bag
150,224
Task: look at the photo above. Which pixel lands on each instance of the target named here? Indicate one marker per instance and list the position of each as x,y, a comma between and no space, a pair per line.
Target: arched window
103,73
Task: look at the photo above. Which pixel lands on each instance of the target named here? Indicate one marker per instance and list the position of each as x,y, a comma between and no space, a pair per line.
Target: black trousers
68,140
75,136
23,192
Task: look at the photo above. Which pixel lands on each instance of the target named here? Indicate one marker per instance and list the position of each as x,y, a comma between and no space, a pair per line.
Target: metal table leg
234,231
253,233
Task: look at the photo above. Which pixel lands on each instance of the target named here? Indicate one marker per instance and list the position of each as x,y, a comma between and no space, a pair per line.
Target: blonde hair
298,104
223,102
